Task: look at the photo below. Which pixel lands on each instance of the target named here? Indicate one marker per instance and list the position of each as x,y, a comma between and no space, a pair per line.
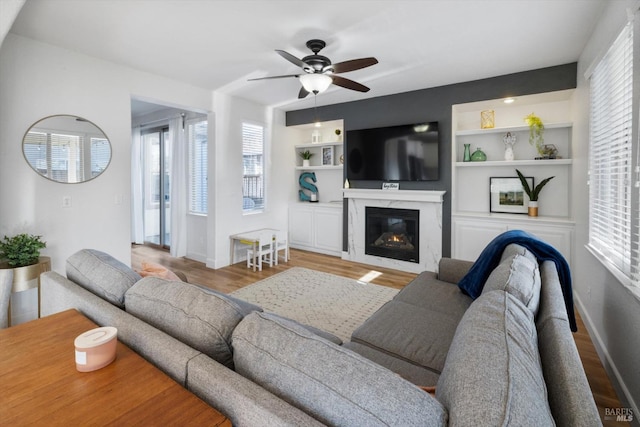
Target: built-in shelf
320,167
318,144
516,218
511,129
493,163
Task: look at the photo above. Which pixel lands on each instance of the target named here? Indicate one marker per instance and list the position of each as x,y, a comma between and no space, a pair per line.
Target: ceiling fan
319,73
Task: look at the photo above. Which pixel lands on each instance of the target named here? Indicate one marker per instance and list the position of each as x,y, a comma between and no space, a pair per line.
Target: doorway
156,146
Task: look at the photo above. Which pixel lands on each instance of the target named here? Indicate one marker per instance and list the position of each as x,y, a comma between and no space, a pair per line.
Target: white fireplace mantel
429,203
398,195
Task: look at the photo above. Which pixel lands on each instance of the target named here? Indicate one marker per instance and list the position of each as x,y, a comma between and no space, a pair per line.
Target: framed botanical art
506,195
327,156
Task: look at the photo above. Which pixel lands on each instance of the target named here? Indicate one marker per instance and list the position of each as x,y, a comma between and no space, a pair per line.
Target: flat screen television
395,153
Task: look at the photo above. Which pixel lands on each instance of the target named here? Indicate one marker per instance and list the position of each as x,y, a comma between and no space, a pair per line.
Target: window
253,167
613,194
197,140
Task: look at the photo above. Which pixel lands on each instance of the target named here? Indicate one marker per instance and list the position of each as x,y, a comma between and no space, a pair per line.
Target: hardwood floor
230,278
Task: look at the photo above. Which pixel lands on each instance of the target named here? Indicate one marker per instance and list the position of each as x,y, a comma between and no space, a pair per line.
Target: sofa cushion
101,274
516,249
331,383
428,292
419,335
203,320
418,375
493,374
519,276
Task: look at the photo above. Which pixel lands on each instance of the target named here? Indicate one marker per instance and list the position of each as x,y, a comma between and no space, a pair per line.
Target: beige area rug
332,303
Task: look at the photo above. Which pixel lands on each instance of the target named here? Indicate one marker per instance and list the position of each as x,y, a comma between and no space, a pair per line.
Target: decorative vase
533,208
467,153
305,163
478,156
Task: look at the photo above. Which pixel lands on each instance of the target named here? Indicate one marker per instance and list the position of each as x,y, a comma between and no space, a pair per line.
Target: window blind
253,167
198,169
612,214
57,156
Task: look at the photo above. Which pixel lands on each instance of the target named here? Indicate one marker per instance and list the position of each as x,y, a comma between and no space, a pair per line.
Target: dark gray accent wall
434,104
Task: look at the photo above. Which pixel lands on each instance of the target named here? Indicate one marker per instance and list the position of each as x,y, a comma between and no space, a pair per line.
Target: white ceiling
219,44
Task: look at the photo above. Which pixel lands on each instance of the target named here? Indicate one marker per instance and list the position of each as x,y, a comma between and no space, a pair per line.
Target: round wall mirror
66,149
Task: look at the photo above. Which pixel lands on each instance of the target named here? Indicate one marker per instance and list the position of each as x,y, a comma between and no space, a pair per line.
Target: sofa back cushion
101,274
519,276
493,375
202,319
330,383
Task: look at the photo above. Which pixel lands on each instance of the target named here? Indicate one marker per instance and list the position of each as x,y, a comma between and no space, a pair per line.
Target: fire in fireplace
392,233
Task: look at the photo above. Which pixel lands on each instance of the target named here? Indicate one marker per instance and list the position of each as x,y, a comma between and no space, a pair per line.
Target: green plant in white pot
306,156
533,193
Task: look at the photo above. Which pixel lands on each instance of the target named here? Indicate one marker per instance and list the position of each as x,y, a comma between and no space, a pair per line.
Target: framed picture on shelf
327,156
506,195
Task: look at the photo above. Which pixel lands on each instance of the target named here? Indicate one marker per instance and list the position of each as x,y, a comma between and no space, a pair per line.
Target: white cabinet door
328,229
316,228
470,237
301,226
557,236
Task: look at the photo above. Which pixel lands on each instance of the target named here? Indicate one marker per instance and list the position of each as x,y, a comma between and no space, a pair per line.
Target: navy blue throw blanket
489,259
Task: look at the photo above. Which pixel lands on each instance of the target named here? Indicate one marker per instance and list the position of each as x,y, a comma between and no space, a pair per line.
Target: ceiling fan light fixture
315,82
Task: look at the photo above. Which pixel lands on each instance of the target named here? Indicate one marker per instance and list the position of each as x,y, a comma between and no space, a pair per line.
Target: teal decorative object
467,153
313,190
478,156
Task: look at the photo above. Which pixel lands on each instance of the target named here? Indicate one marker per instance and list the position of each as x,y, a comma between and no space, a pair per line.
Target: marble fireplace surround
429,203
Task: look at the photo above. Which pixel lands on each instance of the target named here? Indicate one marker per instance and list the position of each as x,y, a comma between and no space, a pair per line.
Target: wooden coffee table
41,386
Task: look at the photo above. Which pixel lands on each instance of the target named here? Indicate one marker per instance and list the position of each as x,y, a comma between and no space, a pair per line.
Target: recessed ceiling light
509,100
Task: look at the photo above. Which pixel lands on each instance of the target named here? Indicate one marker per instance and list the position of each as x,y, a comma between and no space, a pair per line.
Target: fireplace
393,233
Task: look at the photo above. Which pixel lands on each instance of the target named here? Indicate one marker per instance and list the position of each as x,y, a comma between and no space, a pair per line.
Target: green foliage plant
306,155
535,192
21,250
536,131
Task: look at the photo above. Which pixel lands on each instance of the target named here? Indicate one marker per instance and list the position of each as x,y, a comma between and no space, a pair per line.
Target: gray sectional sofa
506,358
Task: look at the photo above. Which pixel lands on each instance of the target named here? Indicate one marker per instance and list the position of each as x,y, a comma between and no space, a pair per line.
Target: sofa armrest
453,270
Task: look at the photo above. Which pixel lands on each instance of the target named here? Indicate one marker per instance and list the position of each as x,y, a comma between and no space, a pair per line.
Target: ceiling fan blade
303,93
274,77
349,84
352,65
291,58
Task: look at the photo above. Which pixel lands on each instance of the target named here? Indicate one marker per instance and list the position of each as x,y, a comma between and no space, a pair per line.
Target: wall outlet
66,201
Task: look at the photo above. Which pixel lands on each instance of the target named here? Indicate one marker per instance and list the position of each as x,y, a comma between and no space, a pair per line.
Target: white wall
225,195
39,80
611,312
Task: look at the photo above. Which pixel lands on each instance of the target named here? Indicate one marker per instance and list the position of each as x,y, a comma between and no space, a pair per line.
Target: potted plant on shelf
306,156
533,193
536,131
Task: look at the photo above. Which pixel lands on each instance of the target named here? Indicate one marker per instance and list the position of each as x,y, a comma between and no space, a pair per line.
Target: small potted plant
536,131
338,132
21,250
306,156
533,193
